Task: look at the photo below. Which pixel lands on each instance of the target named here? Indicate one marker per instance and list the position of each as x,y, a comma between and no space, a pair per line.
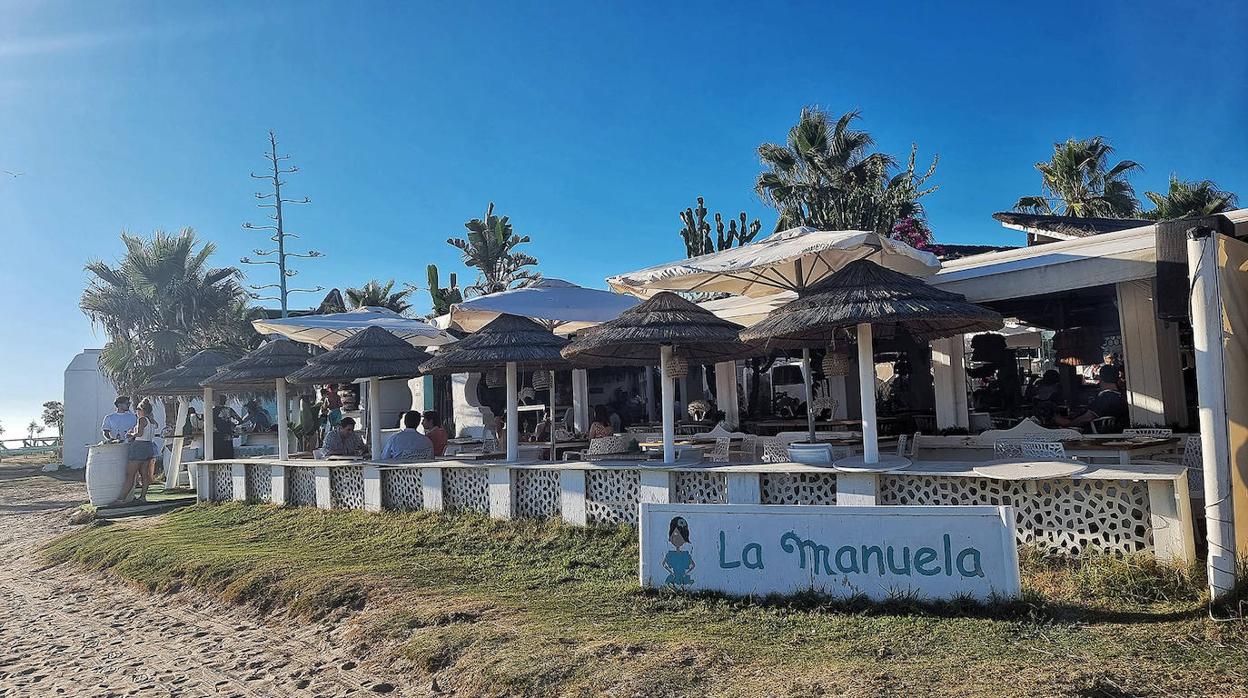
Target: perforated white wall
537,493
611,496
401,490
466,489
798,488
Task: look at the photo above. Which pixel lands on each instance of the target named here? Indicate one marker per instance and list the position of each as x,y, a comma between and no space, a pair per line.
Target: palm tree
826,176
379,295
491,248
1079,182
160,303
1189,200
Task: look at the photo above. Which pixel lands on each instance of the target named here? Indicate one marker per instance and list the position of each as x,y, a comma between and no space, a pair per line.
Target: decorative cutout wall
259,483
301,487
701,488
222,482
1059,516
611,496
537,493
346,487
466,489
798,488
401,489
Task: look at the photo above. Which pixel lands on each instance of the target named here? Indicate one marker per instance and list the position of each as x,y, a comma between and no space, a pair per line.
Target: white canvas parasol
562,307
326,331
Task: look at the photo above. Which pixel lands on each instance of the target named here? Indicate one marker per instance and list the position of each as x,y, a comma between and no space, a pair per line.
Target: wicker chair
722,453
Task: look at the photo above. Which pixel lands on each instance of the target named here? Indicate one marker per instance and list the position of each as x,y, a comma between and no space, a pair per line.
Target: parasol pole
866,391
810,396
669,417
283,416
374,417
513,414
210,413
552,416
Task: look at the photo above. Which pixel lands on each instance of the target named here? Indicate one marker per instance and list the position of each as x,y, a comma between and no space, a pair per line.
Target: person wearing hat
117,425
1108,402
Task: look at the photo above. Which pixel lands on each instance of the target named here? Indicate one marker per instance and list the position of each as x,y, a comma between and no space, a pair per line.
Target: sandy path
65,632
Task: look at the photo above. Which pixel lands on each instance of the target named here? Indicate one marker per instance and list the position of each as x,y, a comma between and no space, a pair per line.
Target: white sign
936,552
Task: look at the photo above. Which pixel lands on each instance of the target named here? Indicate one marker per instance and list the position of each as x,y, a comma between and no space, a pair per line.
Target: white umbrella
562,307
745,310
326,331
790,260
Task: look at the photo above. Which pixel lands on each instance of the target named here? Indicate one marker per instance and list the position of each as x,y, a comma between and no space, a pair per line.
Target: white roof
328,330
561,306
789,260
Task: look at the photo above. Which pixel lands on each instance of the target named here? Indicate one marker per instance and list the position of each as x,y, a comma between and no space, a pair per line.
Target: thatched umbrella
513,341
267,366
661,330
861,295
374,354
183,381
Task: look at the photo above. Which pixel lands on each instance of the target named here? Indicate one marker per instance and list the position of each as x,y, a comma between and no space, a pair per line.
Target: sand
68,632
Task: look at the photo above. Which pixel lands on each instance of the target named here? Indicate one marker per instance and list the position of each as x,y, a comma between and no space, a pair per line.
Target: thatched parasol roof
372,353
259,369
634,338
861,292
505,339
184,379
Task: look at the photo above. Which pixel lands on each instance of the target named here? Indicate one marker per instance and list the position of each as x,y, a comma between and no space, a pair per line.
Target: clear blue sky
590,124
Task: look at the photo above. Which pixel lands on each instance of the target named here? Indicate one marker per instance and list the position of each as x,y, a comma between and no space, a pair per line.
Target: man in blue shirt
408,444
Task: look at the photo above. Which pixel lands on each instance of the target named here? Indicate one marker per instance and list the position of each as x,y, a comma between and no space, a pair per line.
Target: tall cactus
443,298
697,231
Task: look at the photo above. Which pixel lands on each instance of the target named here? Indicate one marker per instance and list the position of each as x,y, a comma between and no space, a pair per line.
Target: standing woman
140,453
224,420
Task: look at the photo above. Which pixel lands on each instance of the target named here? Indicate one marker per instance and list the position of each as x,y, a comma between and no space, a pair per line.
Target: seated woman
256,419
601,426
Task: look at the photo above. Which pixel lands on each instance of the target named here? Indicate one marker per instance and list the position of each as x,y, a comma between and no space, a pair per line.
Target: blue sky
590,124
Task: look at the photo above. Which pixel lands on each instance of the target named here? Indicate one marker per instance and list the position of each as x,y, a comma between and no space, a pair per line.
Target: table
1029,470
1125,448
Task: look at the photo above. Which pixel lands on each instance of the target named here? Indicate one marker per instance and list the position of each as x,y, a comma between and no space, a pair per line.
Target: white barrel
106,472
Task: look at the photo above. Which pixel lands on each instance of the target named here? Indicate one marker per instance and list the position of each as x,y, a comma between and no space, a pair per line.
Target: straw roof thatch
861,292
634,338
505,339
373,353
184,379
259,369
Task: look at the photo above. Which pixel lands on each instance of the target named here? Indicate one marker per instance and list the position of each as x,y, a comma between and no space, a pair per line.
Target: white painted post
324,500
949,376
173,464
810,396
374,416
1170,514
580,400
238,474
209,409
283,421
277,484
669,416
201,476
726,393
513,415
1206,306
657,487
857,489
572,497
501,493
372,488
866,389
553,419
744,488
431,489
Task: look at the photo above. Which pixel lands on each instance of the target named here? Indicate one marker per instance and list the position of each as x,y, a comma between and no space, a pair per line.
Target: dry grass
528,608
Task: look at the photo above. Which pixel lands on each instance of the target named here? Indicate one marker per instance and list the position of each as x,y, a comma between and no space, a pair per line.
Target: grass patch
539,608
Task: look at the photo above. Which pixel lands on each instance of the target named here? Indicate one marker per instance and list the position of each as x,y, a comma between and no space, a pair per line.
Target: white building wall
88,398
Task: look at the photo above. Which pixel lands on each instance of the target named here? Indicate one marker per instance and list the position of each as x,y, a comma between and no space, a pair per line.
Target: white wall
88,398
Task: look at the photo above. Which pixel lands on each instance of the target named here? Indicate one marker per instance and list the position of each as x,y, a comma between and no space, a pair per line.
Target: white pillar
372,488
726,393
949,377
283,421
173,468
513,414
374,417
810,396
866,390
580,400
209,409
553,418
1206,306
669,416
502,497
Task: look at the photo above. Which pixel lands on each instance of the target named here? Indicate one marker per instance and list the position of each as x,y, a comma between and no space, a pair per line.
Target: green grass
538,608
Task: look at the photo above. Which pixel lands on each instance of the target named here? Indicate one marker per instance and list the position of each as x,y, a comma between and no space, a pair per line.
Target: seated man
256,419
1107,403
343,441
408,444
432,424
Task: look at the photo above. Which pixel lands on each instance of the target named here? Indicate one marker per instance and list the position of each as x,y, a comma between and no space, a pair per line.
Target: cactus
697,231
443,298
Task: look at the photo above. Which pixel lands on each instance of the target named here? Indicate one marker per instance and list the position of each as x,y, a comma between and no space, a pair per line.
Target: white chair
600,448
747,450
908,446
415,454
775,451
1193,460
1102,425
1043,450
1154,433
722,452
902,442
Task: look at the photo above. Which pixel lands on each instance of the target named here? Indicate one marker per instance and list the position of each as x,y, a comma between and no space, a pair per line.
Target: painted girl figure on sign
678,562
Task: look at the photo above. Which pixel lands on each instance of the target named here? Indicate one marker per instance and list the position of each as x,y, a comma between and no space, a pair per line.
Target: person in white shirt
408,444
117,425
